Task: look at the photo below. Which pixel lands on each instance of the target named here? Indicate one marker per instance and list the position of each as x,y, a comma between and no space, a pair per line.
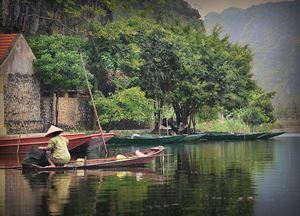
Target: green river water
205,178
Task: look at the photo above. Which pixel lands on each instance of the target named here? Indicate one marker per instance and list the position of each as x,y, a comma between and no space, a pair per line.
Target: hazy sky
206,6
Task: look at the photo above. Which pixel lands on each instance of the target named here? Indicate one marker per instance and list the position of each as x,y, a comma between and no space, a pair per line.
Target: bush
126,105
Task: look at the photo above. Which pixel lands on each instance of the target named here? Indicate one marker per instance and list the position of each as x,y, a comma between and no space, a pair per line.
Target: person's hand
41,148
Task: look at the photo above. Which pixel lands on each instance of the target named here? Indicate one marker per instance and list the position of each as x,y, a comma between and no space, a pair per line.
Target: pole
18,147
93,102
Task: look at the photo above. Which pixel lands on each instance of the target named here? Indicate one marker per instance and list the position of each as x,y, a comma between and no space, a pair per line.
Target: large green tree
134,52
213,72
203,75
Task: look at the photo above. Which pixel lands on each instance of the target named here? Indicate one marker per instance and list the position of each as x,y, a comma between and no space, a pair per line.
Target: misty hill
272,30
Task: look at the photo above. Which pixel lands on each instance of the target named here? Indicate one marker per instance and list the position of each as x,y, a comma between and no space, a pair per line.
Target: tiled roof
6,43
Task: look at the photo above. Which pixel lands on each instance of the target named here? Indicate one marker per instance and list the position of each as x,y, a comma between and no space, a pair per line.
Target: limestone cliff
46,17
32,17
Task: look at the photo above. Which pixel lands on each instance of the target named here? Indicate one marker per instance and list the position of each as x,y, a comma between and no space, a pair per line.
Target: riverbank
290,125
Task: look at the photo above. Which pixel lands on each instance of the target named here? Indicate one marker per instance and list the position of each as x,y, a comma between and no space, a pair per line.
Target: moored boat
145,140
192,137
35,137
95,141
269,135
23,144
232,136
137,158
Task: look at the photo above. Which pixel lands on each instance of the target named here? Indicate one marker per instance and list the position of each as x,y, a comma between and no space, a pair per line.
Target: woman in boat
57,150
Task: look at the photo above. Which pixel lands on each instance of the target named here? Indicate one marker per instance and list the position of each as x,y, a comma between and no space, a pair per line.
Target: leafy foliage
113,53
126,105
58,61
210,70
259,109
175,64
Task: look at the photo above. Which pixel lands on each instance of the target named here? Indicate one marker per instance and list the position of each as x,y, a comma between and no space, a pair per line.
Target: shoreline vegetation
236,126
231,126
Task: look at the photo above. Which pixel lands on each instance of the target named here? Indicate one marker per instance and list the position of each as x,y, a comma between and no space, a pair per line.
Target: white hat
53,129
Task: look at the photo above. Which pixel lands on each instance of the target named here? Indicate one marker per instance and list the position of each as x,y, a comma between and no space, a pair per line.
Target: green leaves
126,105
58,61
259,109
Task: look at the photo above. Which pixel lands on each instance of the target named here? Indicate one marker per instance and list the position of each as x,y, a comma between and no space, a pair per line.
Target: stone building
19,89
23,108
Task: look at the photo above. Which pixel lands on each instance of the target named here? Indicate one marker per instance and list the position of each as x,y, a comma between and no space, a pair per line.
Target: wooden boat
95,141
145,140
35,137
23,144
232,136
269,135
131,159
192,137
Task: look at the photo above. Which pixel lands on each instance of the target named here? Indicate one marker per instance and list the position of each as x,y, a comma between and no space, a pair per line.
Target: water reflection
213,178
69,192
52,188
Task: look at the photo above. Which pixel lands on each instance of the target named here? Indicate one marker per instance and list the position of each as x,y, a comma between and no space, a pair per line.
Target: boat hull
145,140
192,137
14,139
231,136
271,135
131,160
93,143
23,146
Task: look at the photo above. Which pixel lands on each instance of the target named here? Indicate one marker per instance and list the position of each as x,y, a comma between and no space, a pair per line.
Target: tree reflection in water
194,179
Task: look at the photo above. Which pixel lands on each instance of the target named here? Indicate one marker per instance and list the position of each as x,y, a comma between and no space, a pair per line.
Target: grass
233,125
130,132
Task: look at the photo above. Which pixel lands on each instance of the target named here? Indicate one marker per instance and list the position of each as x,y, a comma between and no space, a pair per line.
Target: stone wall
21,90
73,112
2,127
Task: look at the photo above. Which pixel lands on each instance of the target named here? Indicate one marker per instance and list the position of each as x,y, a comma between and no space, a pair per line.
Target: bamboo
93,102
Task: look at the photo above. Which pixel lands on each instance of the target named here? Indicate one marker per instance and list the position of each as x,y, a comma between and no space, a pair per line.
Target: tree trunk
194,122
178,117
158,106
190,121
181,117
157,117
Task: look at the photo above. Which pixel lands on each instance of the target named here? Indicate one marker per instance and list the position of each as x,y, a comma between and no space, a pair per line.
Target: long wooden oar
93,102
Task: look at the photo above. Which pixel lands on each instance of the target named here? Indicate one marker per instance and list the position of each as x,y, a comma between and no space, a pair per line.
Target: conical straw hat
53,129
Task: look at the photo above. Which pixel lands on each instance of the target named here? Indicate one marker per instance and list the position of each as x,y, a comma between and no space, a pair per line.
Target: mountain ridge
272,32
